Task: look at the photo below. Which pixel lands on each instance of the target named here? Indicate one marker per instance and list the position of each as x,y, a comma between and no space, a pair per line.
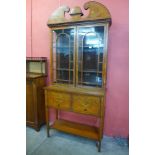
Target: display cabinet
36,72
78,68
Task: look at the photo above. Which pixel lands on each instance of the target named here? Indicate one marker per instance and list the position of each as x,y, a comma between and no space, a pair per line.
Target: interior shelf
64,69
76,129
90,71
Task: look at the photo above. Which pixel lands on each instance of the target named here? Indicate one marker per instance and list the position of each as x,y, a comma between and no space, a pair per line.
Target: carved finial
76,13
97,10
59,14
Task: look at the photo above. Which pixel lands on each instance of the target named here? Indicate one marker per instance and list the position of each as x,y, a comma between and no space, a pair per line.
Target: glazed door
90,40
63,55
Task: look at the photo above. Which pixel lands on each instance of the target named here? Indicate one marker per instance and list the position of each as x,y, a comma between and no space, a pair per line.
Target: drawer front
58,100
86,105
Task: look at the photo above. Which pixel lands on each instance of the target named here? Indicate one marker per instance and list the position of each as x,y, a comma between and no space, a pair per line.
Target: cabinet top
97,12
76,90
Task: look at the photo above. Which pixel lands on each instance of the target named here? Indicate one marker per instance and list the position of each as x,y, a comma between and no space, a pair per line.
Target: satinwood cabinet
78,67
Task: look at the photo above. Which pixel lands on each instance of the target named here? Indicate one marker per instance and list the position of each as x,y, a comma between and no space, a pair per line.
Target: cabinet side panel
41,101
30,118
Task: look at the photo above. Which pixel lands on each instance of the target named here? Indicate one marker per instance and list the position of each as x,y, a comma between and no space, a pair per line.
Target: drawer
86,105
58,100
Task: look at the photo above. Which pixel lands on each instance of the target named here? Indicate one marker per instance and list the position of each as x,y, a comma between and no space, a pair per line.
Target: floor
65,144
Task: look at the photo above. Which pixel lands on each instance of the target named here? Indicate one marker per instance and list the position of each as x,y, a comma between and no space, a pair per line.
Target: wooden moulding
76,90
97,12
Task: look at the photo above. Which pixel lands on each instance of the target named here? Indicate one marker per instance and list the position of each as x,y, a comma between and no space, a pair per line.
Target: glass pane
62,75
63,53
91,79
100,67
90,55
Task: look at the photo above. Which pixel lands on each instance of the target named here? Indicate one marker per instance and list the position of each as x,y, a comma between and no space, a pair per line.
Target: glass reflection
90,55
63,41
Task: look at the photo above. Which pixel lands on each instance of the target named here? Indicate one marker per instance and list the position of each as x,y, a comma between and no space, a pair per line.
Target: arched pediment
97,11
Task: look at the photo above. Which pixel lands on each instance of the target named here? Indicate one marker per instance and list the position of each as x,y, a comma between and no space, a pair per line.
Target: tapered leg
47,121
48,131
101,124
57,114
37,129
99,146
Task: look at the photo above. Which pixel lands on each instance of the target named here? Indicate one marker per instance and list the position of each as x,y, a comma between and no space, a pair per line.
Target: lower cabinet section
35,102
78,100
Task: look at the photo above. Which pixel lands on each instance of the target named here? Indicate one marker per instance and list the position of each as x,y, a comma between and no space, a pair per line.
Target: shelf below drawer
76,129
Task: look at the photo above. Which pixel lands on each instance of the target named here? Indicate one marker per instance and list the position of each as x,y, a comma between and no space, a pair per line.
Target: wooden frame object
75,93
36,73
97,12
36,65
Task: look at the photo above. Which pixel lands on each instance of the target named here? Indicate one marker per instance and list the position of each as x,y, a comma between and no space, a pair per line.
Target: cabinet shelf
76,129
64,69
85,71
54,42
90,83
90,71
64,80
